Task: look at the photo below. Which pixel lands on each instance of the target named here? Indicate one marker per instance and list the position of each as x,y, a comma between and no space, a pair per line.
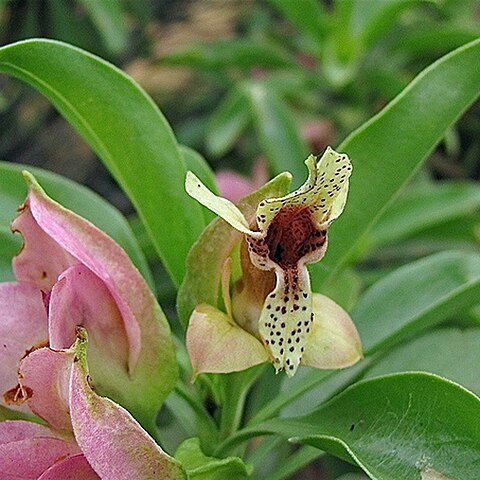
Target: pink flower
69,273
87,437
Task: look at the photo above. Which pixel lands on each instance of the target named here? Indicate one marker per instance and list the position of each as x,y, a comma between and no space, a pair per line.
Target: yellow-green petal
221,206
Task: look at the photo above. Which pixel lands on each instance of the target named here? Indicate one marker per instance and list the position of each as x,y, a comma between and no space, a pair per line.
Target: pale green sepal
221,206
334,341
216,344
201,467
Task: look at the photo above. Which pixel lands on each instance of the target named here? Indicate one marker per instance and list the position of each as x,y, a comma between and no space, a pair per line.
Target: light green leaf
387,150
201,467
278,134
125,128
71,195
394,427
417,296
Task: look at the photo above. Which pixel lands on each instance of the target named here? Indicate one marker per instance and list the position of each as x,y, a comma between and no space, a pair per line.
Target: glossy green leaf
109,19
277,132
395,427
227,122
240,53
448,352
201,467
71,195
424,207
125,128
205,259
387,150
417,296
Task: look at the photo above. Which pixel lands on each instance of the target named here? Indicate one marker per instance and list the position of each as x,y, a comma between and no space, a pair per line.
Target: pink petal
72,468
81,298
41,259
151,360
46,374
216,344
98,252
113,442
16,430
28,459
23,325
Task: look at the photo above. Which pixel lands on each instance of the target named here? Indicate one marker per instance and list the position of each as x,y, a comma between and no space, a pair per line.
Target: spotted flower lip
288,232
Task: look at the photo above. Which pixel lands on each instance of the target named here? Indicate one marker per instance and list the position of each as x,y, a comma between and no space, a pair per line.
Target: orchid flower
70,273
86,437
293,325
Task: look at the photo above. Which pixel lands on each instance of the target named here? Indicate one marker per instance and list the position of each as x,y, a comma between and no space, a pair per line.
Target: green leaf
227,122
9,246
73,196
448,352
394,427
424,207
127,131
201,467
417,296
240,53
278,134
205,259
309,16
387,150
108,18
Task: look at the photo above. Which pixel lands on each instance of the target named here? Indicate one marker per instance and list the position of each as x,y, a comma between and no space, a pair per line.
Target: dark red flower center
292,234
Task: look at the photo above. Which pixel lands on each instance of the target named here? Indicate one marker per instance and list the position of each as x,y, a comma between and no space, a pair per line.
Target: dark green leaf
395,427
125,128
